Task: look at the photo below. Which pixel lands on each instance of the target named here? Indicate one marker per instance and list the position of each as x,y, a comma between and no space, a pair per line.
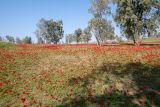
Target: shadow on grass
104,100
145,78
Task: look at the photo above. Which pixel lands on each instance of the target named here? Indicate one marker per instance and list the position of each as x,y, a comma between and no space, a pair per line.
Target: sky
18,18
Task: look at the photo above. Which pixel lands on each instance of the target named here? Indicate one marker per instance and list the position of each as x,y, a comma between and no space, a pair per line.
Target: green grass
5,45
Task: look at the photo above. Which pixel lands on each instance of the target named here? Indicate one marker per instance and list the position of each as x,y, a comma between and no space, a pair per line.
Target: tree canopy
100,26
78,33
10,38
137,17
49,30
86,35
27,40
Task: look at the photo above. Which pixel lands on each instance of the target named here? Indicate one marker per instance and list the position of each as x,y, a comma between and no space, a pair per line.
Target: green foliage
86,36
99,25
1,38
102,29
10,39
27,40
137,17
158,35
78,34
70,38
99,8
19,41
40,40
119,38
5,45
50,30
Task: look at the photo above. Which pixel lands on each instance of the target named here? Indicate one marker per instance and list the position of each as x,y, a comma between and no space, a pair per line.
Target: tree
78,34
10,39
119,38
102,29
67,39
86,36
158,35
39,37
99,23
99,8
50,30
40,40
27,40
1,38
18,40
137,17
70,38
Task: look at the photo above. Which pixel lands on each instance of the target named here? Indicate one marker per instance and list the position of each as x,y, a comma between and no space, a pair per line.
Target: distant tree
78,34
18,40
27,40
102,29
67,39
158,35
107,31
48,41
86,36
151,29
137,17
10,39
40,40
119,38
38,35
1,38
98,24
50,30
70,38
73,38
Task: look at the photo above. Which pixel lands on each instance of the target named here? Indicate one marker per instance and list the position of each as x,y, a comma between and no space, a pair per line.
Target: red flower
23,100
1,85
10,90
40,104
34,101
25,106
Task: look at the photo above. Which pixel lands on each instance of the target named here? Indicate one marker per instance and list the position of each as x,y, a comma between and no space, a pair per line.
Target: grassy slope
72,76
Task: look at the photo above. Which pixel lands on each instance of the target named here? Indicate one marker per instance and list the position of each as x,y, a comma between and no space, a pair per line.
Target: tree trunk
137,35
138,39
134,40
97,40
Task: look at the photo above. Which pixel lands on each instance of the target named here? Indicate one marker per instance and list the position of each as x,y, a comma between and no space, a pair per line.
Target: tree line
11,39
136,19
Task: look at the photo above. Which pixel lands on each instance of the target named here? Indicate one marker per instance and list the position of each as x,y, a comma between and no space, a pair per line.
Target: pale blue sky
18,18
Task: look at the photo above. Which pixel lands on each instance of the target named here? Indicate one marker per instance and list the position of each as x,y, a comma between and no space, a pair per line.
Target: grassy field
154,40
148,41
79,76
